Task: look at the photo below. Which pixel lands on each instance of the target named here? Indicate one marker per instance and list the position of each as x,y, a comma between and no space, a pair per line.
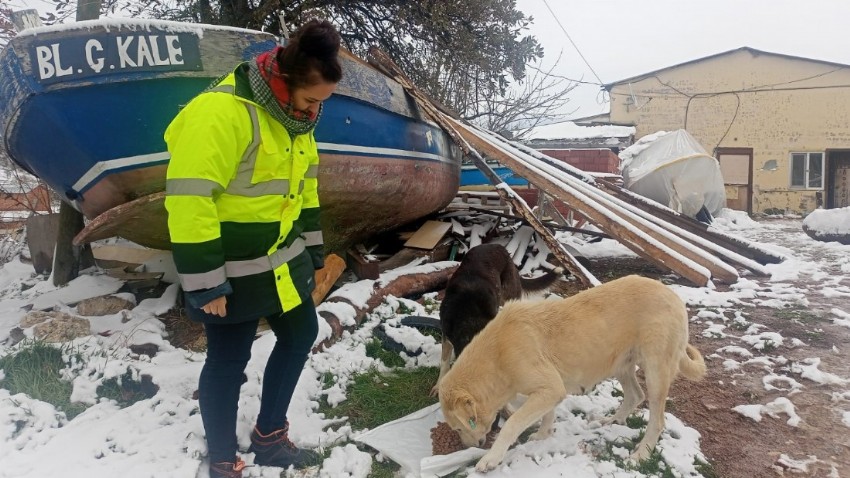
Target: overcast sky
624,38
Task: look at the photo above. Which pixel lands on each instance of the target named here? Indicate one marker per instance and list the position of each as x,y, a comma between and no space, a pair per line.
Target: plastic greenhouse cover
676,171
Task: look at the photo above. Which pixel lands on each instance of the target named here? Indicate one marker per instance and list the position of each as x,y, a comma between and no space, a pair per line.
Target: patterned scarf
271,93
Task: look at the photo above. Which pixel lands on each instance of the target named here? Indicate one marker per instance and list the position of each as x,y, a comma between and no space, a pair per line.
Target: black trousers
228,351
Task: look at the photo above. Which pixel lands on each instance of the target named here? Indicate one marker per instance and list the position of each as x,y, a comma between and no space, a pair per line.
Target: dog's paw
642,452
435,390
488,462
541,434
610,421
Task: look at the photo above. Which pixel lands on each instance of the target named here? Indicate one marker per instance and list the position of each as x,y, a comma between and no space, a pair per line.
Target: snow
570,130
163,436
132,24
829,221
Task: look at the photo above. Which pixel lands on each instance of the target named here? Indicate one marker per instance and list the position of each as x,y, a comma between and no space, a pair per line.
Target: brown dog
547,349
484,281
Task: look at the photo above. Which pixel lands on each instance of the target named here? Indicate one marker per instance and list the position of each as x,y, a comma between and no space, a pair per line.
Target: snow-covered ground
163,436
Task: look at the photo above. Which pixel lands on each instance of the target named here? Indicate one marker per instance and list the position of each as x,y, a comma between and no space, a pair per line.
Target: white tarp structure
674,170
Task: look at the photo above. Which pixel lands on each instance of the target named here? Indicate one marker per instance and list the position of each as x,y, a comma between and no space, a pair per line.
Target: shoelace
236,469
283,437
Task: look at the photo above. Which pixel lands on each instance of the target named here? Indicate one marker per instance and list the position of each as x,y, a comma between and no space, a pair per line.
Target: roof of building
752,51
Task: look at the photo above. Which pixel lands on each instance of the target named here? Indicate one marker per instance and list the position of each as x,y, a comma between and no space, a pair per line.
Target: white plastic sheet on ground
676,171
407,441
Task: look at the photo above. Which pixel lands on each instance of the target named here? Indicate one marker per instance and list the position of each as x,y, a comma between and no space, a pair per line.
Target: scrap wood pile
660,235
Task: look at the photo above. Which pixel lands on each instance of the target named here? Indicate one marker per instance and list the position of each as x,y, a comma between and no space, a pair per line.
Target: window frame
806,170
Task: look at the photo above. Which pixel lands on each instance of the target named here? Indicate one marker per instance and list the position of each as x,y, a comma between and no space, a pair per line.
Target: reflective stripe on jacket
242,202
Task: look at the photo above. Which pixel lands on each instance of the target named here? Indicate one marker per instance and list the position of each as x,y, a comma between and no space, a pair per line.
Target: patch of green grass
655,466
375,350
635,422
375,398
328,380
430,304
35,371
768,346
815,334
404,309
705,469
800,315
385,469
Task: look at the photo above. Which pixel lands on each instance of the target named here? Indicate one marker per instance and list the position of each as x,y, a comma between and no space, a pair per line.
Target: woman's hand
216,307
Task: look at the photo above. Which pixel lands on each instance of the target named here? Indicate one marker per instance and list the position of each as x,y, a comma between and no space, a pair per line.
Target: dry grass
183,332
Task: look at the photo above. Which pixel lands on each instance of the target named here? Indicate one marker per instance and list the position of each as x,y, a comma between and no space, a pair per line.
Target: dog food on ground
444,440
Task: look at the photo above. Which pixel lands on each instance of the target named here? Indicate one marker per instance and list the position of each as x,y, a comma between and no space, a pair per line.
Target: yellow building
778,124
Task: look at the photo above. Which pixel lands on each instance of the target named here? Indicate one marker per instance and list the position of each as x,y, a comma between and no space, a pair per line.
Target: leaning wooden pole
380,60
740,246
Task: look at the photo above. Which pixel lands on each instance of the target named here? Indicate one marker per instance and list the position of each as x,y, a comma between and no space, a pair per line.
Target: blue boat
470,175
84,107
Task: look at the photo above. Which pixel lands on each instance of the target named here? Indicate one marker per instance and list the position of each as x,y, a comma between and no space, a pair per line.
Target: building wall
773,104
16,207
590,160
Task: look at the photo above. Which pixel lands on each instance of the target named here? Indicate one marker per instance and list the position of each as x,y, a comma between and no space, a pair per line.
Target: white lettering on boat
49,63
118,53
96,64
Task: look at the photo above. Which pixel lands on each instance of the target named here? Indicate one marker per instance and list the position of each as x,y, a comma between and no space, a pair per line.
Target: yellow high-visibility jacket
243,208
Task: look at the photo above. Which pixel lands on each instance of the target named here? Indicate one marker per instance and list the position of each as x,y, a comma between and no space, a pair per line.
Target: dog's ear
466,404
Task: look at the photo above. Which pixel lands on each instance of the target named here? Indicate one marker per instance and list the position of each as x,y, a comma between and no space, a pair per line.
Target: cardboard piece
429,235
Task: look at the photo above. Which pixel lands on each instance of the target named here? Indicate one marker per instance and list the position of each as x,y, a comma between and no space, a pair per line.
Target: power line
571,41
554,75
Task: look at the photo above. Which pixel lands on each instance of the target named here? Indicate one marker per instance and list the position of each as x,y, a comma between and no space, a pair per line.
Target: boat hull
97,138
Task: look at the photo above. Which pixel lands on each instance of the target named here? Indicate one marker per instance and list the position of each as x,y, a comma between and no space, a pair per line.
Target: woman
243,215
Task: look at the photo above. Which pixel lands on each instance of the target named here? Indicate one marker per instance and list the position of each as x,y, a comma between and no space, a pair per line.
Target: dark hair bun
311,55
318,39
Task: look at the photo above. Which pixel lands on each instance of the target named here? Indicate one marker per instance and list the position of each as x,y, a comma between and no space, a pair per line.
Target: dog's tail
541,283
692,366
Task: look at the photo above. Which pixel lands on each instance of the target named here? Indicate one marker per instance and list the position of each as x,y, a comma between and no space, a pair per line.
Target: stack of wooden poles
674,242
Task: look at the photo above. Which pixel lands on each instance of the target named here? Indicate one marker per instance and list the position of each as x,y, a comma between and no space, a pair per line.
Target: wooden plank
127,274
110,256
41,240
327,276
23,19
738,245
429,235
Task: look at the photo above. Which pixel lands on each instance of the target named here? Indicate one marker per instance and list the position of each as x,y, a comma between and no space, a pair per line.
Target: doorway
736,166
837,179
